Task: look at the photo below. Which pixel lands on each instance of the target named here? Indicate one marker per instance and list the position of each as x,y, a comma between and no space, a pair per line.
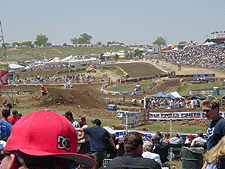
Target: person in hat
5,102
69,116
33,145
43,90
133,146
189,140
14,118
199,139
98,136
5,125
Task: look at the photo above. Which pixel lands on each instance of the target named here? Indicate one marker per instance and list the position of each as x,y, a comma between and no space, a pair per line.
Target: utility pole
2,43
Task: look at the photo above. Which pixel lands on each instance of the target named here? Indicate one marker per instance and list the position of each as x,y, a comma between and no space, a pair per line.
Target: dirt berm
65,97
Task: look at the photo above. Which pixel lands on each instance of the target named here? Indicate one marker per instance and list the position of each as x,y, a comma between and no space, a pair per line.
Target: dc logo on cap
63,143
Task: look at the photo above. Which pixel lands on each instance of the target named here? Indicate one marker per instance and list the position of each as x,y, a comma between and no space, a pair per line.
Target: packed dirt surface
87,98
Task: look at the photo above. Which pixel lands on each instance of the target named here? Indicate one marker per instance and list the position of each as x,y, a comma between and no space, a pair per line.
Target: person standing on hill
98,136
216,127
69,116
5,102
14,118
5,125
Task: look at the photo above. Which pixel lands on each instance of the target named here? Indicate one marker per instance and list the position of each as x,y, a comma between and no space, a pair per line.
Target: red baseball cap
45,133
191,136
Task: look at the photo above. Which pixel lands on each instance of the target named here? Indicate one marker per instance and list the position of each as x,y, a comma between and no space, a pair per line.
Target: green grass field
19,54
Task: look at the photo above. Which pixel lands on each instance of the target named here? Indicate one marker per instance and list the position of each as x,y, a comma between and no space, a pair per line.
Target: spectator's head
190,136
69,115
147,146
175,134
200,134
133,143
155,139
210,108
97,122
15,113
82,120
158,134
5,112
43,139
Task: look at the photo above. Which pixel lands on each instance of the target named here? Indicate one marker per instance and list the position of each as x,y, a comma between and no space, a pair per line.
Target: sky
125,21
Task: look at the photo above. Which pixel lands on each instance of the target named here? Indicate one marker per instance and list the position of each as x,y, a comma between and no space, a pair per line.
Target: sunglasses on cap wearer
206,110
8,153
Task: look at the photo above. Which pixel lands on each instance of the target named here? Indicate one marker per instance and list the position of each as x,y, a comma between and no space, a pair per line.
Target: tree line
42,40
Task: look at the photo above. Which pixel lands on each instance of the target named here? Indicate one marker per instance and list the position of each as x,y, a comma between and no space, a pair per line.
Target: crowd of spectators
202,56
165,103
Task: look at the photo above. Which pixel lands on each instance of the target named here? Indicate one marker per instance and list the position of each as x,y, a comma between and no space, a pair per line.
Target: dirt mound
65,97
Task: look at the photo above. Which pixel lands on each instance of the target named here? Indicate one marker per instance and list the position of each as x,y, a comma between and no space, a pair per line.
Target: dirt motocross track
87,98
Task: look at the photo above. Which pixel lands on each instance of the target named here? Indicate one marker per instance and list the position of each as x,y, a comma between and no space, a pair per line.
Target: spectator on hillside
175,139
160,149
216,128
147,148
199,140
161,141
189,140
14,118
133,145
5,125
54,146
19,116
98,137
167,137
5,102
84,138
69,116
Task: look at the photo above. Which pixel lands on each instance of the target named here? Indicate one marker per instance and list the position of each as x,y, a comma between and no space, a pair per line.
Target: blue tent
159,95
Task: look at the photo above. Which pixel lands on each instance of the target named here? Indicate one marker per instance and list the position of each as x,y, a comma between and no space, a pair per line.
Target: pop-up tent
197,96
175,95
159,95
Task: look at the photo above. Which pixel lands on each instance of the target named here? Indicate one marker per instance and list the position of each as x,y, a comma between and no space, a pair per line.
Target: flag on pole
4,80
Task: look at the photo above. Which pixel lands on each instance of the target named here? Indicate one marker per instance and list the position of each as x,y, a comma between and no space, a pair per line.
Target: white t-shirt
198,140
153,156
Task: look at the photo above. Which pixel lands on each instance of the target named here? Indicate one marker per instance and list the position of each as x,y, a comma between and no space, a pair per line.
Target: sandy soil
87,98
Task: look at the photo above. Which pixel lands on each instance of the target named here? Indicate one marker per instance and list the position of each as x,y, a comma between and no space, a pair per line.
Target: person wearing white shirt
199,139
147,147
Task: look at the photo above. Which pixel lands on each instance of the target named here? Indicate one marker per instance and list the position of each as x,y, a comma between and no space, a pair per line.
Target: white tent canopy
176,95
15,66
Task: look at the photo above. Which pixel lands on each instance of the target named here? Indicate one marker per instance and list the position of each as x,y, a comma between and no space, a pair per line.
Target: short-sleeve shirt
215,131
98,137
75,123
5,129
13,120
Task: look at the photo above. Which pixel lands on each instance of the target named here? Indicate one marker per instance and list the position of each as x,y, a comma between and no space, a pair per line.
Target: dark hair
132,140
45,162
5,111
83,119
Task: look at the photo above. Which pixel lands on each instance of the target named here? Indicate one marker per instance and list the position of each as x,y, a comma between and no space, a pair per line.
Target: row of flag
217,32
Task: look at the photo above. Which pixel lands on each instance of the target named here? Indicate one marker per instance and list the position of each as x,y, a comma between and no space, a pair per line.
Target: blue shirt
98,137
5,129
215,131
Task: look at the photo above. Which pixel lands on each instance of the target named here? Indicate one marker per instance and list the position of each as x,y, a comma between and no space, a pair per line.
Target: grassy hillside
38,53
184,90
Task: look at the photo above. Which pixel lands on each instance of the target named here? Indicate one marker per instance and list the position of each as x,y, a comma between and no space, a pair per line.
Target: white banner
178,115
